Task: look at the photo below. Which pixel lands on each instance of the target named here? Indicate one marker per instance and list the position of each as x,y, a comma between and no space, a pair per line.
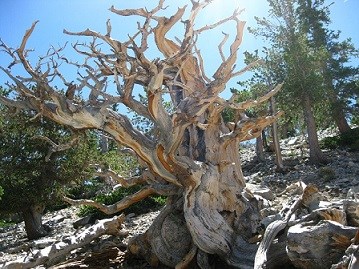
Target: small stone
58,218
265,193
83,221
130,216
293,141
43,243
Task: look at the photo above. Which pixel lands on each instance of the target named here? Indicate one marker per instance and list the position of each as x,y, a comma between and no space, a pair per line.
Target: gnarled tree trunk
33,221
192,157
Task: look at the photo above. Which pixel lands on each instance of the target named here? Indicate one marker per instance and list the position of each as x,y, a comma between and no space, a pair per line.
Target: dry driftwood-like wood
105,258
191,153
168,236
55,251
308,198
318,246
114,208
311,234
351,258
351,208
261,259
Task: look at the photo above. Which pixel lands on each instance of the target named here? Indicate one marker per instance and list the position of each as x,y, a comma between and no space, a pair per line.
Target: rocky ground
336,180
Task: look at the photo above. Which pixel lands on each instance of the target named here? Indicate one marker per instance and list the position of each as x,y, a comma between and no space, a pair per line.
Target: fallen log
306,235
320,245
54,252
309,198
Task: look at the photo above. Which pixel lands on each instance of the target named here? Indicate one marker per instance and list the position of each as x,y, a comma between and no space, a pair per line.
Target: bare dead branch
113,43
167,47
139,12
108,27
17,104
249,128
126,182
22,54
21,88
57,147
214,25
117,207
247,68
10,52
189,35
225,69
201,65
60,249
220,46
251,103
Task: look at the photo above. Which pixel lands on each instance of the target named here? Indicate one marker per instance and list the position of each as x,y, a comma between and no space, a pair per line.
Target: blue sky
54,15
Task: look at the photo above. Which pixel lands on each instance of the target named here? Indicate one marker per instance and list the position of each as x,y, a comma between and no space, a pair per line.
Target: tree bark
337,108
338,114
260,148
278,153
104,143
33,222
315,154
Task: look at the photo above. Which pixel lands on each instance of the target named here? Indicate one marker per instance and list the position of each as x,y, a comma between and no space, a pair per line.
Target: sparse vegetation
5,223
349,139
326,173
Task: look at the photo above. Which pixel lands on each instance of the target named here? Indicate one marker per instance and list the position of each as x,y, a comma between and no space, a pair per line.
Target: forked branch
117,207
57,147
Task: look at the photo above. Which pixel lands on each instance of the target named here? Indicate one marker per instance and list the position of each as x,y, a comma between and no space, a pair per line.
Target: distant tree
299,62
307,55
260,83
338,74
33,170
355,106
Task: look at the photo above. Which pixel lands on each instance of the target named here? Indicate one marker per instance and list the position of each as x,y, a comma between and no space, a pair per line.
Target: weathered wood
105,258
167,240
271,232
351,258
276,226
351,208
318,246
302,234
191,154
277,256
57,250
114,208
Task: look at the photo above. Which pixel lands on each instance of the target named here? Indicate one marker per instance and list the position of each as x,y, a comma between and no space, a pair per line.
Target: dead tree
192,157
